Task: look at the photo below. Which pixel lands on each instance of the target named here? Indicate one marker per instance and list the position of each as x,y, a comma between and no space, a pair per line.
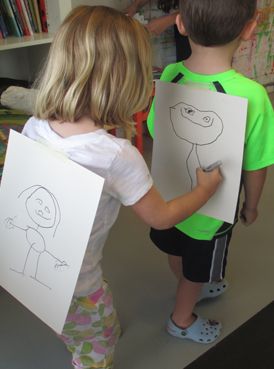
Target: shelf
12,42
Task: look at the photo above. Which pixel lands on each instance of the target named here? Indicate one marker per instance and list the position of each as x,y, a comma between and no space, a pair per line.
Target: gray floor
144,291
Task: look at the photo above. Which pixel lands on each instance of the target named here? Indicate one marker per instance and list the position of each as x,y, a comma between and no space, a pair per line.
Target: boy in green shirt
197,247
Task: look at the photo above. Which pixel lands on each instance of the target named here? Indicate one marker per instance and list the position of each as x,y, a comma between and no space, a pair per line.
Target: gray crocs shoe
213,289
201,330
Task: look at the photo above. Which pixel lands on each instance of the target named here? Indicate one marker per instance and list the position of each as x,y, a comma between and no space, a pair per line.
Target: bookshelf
56,11
13,42
21,57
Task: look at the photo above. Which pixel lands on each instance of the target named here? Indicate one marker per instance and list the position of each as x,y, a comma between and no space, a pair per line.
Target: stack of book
22,17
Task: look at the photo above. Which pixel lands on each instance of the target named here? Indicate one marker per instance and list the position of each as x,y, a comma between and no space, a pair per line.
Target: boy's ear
180,25
249,28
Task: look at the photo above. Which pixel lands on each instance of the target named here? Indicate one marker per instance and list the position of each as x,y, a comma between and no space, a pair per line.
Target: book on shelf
33,16
26,17
17,16
43,15
3,27
25,25
37,15
28,10
10,21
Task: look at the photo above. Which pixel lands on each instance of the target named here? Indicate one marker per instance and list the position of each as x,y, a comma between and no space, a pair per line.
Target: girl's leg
92,330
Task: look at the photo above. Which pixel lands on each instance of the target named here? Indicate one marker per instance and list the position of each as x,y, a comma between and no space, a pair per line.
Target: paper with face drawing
195,128
47,208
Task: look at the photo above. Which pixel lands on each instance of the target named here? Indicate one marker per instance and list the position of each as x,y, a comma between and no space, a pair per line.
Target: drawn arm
10,224
58,262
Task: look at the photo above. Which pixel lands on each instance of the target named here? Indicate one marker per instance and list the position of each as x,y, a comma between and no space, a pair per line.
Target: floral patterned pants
91,330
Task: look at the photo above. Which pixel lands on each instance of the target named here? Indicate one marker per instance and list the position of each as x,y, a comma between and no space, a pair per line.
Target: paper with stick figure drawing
47,207
195,128
44,213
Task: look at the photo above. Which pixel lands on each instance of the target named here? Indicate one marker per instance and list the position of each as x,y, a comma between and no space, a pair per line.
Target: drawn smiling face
41,208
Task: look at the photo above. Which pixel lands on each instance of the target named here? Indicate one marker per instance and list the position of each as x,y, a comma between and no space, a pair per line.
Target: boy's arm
253,182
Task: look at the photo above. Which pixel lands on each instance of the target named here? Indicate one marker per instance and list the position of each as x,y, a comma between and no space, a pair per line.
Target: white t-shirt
127,180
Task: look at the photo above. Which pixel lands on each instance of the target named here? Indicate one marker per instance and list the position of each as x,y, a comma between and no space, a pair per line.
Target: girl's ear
180,25
249,28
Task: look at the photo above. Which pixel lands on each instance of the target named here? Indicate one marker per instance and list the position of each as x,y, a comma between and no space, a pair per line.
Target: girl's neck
67,129
210,60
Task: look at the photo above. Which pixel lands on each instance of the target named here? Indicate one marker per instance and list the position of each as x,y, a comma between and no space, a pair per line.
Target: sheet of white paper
194,128
47,208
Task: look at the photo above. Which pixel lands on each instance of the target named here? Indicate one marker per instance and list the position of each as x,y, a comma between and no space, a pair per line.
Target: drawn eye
189,111
40,202
206,119
47,210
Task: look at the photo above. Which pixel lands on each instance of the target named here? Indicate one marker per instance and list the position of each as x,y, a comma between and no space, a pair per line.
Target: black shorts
202,260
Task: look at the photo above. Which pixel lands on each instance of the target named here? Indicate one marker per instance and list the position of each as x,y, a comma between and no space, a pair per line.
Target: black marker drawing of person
44,213
197,127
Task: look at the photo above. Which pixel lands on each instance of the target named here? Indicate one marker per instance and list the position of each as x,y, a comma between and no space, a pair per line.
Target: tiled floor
144,291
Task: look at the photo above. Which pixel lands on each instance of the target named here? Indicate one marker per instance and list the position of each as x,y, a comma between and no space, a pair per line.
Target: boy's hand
209,181
248,216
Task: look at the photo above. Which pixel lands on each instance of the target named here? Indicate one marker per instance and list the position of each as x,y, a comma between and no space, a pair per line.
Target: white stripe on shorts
217,261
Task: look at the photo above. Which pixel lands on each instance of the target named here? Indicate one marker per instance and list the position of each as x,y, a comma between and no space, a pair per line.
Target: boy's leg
209,290
202,262
186,298
175,264
92,330
184,323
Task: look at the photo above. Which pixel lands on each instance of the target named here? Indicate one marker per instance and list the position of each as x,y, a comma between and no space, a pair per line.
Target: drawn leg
35,274
24,266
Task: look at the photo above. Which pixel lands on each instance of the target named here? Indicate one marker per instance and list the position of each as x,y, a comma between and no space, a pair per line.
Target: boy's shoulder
233,82
170,71
258,98
245,83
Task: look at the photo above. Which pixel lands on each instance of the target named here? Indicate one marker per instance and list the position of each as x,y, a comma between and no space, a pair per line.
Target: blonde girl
98,72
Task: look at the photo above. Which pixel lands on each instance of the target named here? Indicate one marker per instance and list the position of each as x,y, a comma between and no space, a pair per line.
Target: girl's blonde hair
99,65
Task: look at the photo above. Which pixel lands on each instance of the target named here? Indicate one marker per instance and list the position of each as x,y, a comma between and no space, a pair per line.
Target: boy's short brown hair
216,22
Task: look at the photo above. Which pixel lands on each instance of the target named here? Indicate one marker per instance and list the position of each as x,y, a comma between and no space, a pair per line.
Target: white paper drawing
195,128
44,213
182,115
47,208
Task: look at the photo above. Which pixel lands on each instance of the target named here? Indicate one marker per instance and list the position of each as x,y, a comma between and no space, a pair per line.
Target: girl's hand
209,181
